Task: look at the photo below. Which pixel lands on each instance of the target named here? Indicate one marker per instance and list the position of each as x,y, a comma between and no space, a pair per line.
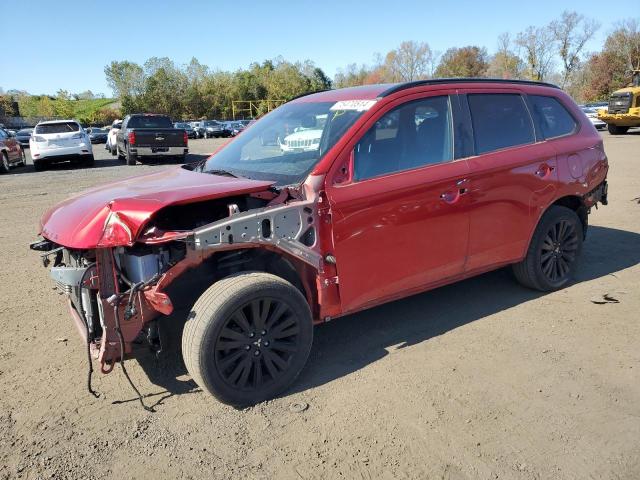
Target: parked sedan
592,115
23,137
11,152
215,129
98,135
191,133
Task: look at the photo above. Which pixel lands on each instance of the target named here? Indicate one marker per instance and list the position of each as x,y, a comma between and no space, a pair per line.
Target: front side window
285,145
413,135
499,120
554,120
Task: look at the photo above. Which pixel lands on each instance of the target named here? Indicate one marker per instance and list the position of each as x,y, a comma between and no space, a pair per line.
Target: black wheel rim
256,344
559,250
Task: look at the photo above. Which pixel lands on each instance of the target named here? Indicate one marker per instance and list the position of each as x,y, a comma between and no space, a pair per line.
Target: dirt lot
482,379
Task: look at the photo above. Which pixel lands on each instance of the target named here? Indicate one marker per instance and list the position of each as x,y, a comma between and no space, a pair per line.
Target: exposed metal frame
281,226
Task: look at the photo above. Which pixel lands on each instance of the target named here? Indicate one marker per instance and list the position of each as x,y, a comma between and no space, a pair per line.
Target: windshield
149,121
285,145
26,131
61,127
98,130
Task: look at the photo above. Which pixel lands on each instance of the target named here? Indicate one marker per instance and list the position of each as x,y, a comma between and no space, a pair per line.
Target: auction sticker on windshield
357,105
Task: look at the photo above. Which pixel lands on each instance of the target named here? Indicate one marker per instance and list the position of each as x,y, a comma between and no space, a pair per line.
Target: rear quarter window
499,120
552,117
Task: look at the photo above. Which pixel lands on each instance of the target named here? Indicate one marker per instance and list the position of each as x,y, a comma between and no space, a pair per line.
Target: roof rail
438,81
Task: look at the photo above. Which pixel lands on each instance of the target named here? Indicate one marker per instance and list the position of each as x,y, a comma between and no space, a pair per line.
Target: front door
402,223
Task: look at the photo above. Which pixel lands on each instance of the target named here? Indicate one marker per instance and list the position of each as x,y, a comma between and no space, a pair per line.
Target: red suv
335,202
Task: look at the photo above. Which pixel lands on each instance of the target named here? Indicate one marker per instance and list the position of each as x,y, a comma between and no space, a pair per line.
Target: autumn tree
410,61
505,63
610,69
538,51
126,79
470,61
571,32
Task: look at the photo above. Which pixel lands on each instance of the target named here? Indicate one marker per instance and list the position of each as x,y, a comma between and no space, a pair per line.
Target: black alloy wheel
256,343
559,251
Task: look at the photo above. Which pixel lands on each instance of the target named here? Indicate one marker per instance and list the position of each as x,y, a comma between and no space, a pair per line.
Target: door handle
544,170
452,196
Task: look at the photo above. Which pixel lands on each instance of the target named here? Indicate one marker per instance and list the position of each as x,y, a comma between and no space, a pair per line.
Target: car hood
79,222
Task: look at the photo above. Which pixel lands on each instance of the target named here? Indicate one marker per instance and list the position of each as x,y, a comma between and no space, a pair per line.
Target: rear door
402,223
513,173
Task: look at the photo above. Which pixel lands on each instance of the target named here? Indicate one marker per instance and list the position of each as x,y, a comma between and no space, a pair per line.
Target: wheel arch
575,203
222,264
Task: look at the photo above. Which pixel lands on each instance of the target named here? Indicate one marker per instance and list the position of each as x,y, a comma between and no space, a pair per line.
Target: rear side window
500,120
413,135
149,122
61,127
554,120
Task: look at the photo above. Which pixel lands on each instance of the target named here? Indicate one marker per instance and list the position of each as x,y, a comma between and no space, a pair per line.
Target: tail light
37,138
185,137
132,138
77,135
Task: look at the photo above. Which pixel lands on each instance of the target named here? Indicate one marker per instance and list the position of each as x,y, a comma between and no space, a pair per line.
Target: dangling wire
124,370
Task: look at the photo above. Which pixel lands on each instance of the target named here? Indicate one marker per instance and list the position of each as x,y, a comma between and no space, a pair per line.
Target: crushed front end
109,293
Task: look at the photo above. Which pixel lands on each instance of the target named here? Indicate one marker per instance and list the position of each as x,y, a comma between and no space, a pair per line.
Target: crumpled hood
79,221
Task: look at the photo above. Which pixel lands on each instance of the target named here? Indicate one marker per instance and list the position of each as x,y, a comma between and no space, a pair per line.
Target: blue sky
65,44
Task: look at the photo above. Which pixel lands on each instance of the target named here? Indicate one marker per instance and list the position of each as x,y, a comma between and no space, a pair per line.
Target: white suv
59,141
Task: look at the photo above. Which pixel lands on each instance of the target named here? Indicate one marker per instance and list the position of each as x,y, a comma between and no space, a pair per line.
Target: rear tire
89,161
553,252
130,158
4,163
39,165
247,338
616,130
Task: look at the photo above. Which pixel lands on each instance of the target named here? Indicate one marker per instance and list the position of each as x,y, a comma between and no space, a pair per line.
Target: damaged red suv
333,203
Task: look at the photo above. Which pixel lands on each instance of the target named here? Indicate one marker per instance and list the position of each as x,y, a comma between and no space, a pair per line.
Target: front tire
554,251
617,130
247,338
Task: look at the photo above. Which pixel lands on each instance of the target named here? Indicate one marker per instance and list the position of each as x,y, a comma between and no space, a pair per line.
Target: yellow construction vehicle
624,108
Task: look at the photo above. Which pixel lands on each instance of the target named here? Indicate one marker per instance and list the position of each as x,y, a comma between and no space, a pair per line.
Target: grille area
620,102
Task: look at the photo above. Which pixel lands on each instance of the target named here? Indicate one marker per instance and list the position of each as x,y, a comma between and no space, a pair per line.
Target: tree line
194,91
555,52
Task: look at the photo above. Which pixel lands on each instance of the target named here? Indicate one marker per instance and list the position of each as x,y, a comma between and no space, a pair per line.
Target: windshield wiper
221,172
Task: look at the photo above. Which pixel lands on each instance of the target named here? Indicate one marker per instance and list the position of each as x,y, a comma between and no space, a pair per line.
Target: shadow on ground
355,341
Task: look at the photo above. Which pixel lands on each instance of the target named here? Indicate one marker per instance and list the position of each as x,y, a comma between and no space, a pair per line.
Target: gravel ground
481,379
